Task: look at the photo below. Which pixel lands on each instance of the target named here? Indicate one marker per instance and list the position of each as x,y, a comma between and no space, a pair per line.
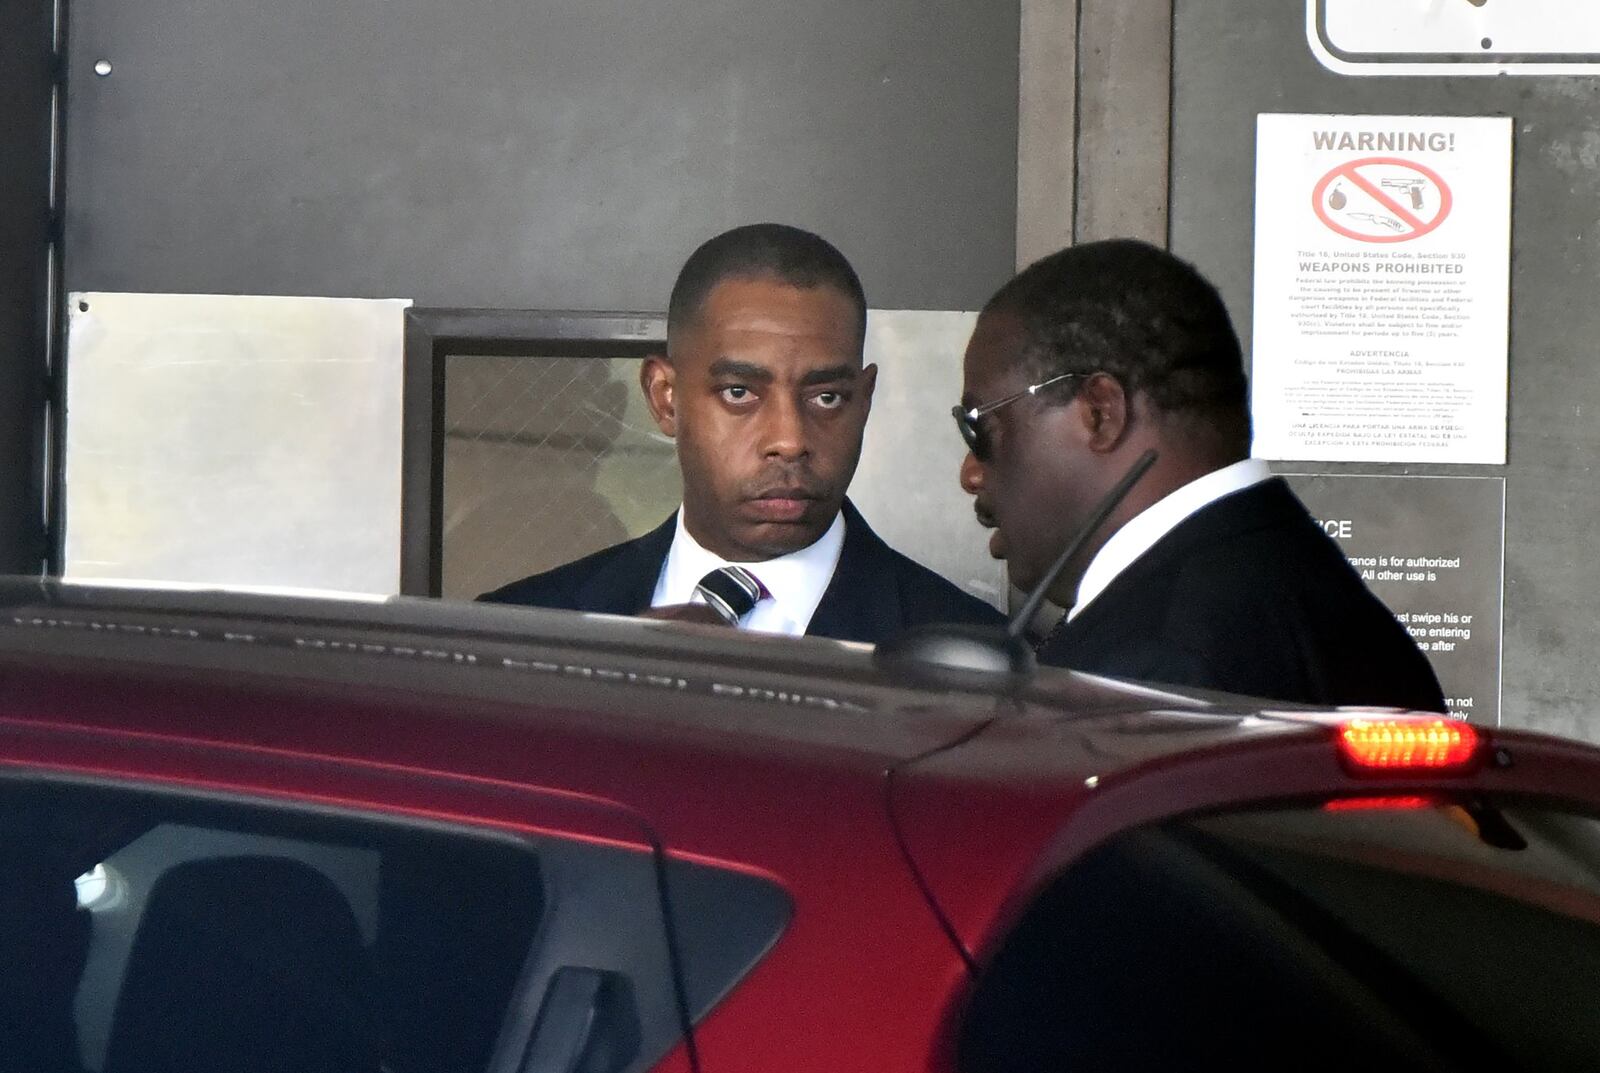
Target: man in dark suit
1210,572
764,389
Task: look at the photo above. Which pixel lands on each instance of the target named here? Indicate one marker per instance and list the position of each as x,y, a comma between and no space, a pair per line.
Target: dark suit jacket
875,592
1249,595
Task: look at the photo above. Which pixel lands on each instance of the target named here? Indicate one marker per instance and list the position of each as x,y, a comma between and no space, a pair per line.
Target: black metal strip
53,430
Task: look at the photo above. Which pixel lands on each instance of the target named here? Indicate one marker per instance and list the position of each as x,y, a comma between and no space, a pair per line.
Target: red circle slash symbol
1381,199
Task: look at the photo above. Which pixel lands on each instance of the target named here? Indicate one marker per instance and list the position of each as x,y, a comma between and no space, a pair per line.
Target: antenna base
954,654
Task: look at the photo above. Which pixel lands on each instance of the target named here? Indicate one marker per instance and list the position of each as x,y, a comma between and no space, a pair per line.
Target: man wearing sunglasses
1210,572
764,389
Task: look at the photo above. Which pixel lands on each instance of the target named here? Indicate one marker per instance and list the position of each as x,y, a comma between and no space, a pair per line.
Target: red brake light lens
1377,804
1400,745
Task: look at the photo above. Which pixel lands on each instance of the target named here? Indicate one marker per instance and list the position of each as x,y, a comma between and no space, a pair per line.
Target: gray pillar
1124,119
1094,123
1047,123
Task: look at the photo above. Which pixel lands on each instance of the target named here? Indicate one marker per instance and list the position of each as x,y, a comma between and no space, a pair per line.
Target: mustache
986,516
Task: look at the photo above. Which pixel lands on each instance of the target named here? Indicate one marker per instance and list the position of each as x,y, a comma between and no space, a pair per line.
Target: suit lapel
627,583
861,602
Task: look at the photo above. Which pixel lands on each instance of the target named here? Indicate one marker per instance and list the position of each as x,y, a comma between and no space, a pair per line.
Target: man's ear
657,378
1106,412
864,385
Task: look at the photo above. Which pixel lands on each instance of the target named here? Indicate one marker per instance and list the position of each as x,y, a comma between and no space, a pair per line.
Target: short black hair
1143,316
754,251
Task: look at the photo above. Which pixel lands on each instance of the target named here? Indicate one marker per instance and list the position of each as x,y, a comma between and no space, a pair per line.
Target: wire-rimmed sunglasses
967,419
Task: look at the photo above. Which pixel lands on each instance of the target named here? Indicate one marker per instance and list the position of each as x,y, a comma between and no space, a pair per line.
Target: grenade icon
1336,200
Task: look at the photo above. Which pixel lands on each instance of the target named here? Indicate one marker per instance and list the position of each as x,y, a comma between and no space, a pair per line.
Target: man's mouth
986,518
782,504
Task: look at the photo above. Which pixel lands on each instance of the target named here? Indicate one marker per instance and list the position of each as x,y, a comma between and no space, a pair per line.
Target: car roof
773,695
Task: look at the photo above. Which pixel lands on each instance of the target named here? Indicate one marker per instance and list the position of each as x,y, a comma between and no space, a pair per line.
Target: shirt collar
796,581
1160,518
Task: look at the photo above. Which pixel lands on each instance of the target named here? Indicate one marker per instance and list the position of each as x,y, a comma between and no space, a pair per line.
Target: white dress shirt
1159,519
796,581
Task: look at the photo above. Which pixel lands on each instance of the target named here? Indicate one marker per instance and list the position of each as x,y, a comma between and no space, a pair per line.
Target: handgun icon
1410,186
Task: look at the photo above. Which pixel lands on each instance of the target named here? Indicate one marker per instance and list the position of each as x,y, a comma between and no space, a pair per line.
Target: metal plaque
1433,550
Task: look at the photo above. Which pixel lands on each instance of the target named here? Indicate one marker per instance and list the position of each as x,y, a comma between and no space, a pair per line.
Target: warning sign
1382,286
1382,199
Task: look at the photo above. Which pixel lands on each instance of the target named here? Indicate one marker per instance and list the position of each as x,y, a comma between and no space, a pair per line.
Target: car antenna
942,651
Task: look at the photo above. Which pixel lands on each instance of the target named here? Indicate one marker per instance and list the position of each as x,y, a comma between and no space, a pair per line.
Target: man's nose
784,432
971,474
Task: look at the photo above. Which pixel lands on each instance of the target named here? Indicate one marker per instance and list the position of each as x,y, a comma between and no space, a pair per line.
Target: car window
151,931
1427,934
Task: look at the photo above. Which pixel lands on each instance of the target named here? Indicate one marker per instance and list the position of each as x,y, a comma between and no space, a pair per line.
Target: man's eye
830,400
735,393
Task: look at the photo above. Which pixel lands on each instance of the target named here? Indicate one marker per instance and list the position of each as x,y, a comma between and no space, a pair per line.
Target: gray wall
1235,58
25,86
536,153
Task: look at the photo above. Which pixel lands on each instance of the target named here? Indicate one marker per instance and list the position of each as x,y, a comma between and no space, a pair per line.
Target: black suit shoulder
556,588
619,580
876,592
926,596
1250,596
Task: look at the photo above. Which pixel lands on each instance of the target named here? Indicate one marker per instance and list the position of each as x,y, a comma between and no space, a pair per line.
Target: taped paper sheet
235,441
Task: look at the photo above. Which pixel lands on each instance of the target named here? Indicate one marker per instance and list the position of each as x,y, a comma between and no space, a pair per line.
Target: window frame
434,334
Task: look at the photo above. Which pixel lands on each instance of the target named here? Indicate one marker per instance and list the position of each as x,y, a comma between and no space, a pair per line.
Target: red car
270,834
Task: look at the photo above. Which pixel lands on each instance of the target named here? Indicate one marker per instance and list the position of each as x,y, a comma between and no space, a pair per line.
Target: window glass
546,459
156,932
1387,934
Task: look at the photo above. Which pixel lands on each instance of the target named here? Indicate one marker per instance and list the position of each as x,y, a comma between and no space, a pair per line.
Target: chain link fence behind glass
546,459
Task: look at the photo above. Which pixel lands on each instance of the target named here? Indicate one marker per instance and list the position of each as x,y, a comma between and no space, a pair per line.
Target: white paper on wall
235,441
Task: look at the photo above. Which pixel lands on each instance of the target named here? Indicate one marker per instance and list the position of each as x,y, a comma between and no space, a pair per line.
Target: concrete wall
566,154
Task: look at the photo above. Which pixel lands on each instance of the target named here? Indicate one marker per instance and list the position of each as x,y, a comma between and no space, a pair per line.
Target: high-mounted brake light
1377,804
1399,745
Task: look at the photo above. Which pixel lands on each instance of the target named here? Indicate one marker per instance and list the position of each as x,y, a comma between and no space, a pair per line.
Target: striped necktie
731,591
